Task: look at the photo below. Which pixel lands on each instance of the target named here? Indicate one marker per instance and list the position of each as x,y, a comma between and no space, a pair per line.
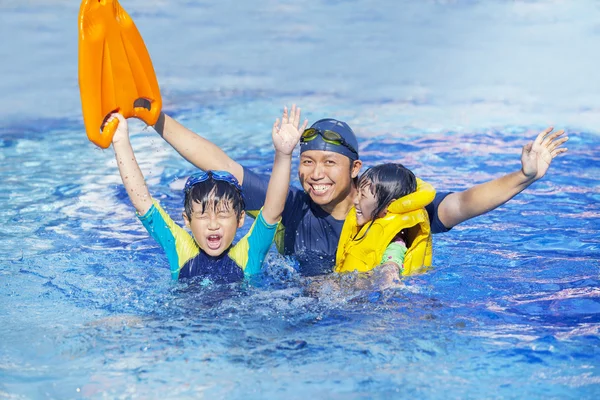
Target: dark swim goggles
202,176
328,137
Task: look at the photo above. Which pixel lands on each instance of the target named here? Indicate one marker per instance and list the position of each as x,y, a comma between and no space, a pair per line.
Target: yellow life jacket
408,213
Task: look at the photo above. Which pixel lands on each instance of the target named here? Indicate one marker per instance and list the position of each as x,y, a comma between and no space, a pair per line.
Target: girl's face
365,204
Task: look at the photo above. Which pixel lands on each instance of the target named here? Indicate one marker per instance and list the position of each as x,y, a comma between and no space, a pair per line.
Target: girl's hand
286,134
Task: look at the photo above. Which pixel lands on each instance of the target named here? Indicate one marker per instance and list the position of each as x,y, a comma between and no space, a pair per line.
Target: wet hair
213,194
387,182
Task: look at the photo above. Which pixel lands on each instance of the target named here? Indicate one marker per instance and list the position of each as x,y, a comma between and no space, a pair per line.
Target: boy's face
215,228
326,176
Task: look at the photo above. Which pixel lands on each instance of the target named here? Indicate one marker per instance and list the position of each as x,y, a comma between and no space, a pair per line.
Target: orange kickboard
115,70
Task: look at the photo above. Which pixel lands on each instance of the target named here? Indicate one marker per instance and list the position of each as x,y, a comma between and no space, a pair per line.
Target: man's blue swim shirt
306,231
186,259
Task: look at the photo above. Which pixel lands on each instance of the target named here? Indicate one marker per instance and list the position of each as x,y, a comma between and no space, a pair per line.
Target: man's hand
538,155
535,160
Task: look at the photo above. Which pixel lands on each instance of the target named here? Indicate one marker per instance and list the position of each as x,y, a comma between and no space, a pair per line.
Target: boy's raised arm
285,138
199,151
131,175
535,161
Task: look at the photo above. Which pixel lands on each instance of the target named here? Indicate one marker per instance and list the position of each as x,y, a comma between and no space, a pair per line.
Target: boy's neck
218,257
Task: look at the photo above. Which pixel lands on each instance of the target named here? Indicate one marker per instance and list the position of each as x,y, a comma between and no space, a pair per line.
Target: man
312,219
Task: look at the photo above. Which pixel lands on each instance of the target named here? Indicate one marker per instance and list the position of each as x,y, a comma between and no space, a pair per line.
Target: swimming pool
452,89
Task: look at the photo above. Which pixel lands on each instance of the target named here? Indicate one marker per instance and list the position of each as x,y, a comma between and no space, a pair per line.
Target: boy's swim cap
342,128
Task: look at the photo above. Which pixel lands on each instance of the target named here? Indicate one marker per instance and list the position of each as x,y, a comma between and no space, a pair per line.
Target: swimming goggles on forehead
328,137
202,176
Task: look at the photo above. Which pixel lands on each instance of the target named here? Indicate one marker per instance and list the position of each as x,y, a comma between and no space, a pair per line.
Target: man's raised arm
535,160
199,151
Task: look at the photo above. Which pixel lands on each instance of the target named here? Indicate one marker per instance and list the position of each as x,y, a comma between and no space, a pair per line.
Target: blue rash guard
187,260
306,231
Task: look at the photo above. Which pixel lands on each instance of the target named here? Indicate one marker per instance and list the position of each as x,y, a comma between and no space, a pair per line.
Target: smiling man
312,219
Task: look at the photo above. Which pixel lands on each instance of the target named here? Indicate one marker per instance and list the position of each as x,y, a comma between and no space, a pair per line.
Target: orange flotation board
115,70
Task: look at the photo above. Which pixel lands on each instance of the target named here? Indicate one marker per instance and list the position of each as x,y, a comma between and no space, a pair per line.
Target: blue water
452,89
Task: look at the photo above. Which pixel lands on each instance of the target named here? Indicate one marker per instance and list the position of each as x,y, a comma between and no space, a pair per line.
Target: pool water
452,89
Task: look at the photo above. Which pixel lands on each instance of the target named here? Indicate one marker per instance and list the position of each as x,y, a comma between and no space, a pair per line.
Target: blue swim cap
341,128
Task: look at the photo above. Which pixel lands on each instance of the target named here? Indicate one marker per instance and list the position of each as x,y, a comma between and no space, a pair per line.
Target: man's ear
186,220
242,218
356,166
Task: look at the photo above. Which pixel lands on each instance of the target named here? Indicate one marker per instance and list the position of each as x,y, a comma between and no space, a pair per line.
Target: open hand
286,134
538,155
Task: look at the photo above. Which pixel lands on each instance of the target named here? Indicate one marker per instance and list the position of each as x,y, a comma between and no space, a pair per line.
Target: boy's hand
122,132
538,155
287,135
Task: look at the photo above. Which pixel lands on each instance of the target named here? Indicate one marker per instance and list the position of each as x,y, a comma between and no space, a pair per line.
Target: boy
214,210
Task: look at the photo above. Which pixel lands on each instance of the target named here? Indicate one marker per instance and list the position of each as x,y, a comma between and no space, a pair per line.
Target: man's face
214,228
326,176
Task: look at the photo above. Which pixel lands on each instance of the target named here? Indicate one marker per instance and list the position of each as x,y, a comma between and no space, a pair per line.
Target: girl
388,224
